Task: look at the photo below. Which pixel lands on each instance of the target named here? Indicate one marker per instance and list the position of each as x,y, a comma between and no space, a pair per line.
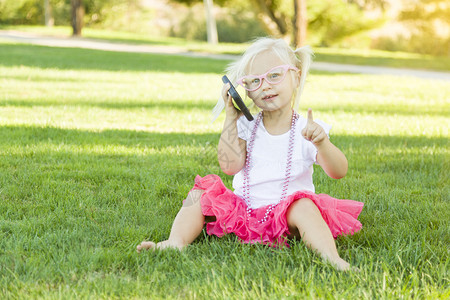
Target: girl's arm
330,158
231,150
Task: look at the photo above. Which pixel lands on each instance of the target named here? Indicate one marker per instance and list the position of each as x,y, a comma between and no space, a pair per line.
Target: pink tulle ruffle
231,215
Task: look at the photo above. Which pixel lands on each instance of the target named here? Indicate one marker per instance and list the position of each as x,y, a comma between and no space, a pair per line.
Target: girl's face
272,97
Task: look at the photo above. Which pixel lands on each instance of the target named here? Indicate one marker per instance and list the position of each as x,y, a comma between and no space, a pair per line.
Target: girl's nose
265,84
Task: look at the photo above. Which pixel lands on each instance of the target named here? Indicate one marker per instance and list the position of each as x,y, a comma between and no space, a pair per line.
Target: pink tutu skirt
230,212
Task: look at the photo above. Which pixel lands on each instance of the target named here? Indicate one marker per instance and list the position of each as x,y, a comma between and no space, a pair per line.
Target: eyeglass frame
264,76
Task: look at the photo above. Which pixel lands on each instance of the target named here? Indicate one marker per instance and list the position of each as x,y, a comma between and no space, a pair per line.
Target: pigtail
304,57
220,105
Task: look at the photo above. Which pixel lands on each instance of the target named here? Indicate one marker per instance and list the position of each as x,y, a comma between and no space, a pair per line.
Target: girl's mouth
268,97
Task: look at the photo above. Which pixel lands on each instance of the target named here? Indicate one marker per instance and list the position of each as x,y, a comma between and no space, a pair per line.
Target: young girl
272,160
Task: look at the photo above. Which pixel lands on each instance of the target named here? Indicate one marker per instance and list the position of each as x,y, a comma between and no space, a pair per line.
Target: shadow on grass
16,134
385,147
29,135
111,104
402,110
87,59
392,111
377,155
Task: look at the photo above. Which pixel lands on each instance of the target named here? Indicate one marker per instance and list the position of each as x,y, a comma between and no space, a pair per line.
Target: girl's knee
303,205
299,208
193,198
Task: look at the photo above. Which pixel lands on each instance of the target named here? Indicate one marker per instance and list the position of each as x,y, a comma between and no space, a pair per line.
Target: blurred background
394,25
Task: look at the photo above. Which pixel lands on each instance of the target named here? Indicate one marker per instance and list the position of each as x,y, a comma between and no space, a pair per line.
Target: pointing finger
310,116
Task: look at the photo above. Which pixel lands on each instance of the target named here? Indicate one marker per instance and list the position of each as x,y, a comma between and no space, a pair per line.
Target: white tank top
269,157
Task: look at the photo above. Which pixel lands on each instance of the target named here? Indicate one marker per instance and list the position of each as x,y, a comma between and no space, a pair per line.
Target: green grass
333,55
98,149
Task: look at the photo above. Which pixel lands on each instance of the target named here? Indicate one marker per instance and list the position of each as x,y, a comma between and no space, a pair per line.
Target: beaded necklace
248,165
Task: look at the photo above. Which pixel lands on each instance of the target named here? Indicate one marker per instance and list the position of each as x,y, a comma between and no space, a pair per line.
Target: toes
145,246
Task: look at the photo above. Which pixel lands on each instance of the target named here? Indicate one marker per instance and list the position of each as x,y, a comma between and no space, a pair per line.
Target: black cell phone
237,99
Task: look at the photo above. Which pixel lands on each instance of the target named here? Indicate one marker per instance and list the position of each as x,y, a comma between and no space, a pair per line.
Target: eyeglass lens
273,76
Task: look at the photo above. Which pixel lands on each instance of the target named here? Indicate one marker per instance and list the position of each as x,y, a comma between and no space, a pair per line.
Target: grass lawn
98,149
347,56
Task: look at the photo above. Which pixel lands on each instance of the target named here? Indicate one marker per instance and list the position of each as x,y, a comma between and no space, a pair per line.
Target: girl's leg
304,219
187,226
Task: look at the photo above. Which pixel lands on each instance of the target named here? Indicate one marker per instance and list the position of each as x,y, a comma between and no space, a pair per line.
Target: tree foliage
20,12
424,13
235,24
370,4
32,11
328,20
428,25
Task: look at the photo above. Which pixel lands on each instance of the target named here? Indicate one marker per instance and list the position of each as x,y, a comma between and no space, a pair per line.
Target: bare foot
161,245
145,246
341,264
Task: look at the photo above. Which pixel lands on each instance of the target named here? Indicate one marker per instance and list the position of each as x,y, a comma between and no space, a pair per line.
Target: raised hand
313,132
230,110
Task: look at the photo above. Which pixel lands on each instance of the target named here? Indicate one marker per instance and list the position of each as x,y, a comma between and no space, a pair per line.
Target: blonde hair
301,58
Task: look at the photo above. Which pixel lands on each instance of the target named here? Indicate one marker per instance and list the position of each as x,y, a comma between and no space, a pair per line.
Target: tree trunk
49,21
300,22
211,28
77,16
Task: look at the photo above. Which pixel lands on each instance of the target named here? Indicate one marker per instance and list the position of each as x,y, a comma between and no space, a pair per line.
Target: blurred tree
49,21
370,4
274,10
237,22
20,12
300,23
424,14
33,11
429,23
328,20
211,27
331,21
77,16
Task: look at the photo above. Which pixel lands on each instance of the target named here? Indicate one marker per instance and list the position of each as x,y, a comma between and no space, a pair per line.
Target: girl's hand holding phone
230,110
237,99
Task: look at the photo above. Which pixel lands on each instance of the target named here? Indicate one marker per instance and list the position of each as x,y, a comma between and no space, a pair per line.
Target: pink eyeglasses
273,76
